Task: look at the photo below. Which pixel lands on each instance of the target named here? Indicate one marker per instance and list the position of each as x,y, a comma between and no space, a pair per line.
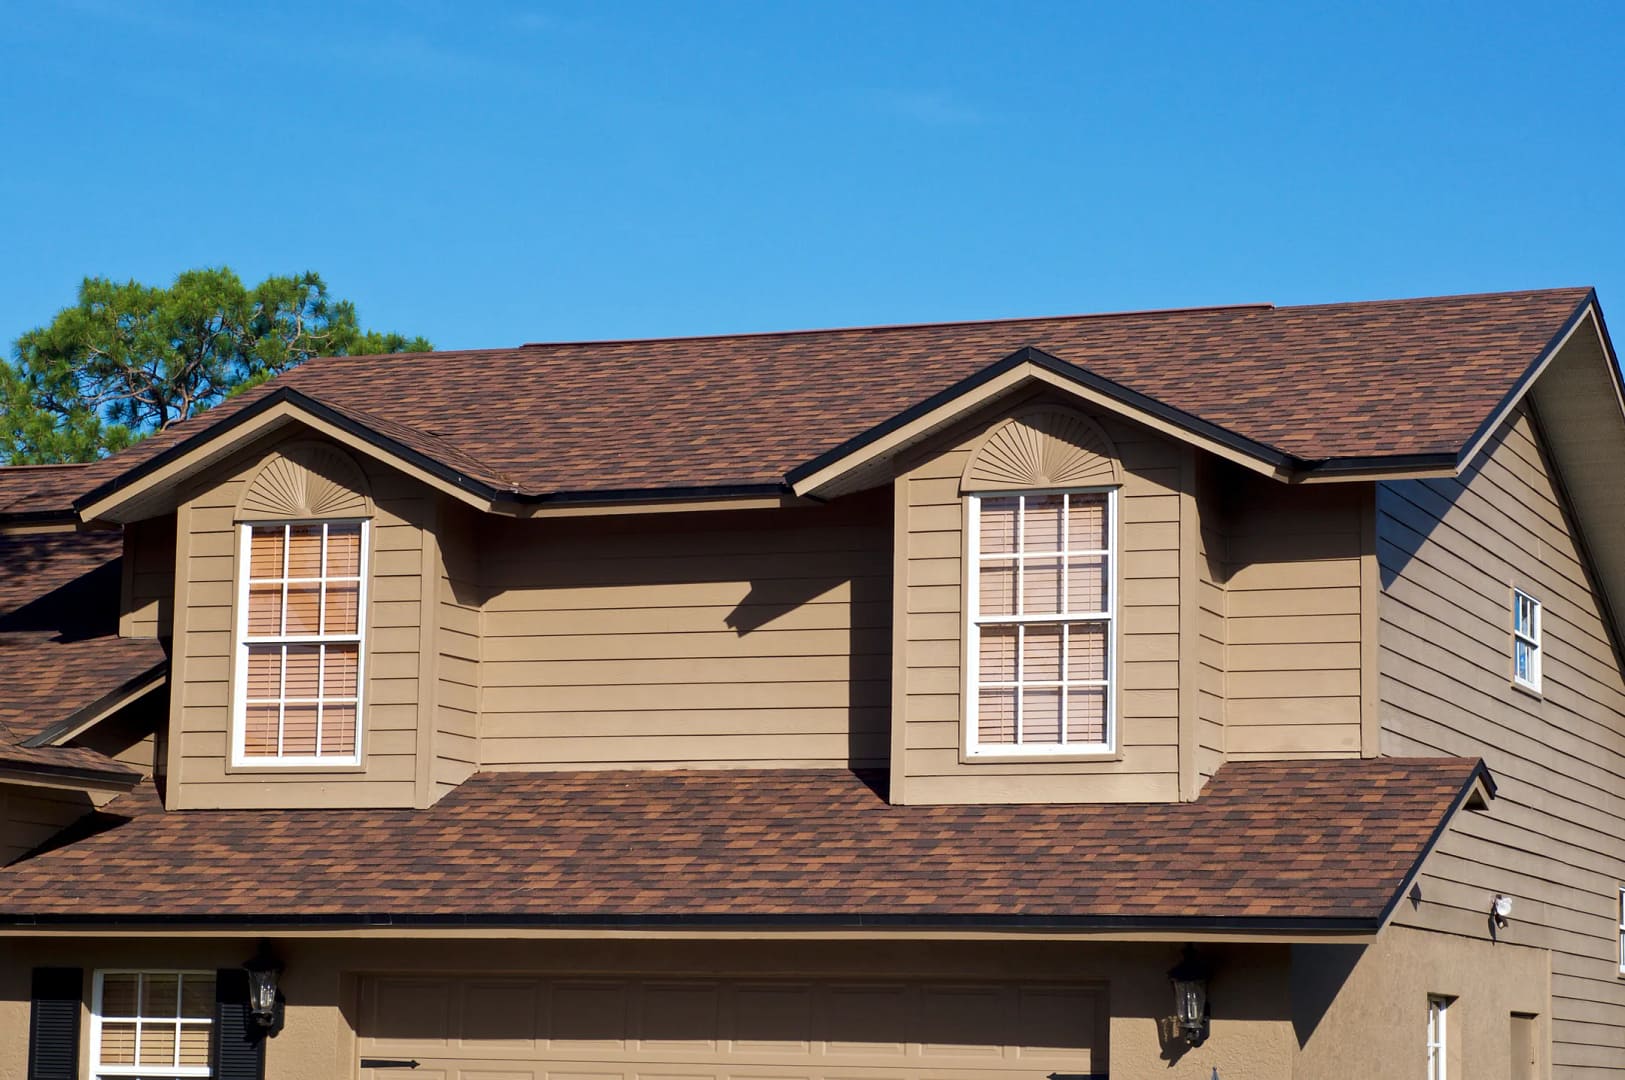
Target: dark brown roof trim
153,676
116,775
1535,367
1038,357
1480,775
286,394
852,921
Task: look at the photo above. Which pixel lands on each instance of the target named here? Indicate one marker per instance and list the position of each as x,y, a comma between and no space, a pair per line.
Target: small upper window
151,1023
1438,1037
1525,640
300,624
1042,602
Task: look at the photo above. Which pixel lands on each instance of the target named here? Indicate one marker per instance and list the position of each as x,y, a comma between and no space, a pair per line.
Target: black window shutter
53,1023
239,1043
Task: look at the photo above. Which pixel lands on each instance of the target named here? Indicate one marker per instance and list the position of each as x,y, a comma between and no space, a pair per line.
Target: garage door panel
519,1028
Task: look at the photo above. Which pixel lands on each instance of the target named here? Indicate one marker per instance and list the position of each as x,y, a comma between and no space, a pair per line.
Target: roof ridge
860,329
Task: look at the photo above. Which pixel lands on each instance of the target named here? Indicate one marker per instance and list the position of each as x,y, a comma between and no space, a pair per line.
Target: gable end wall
1450,552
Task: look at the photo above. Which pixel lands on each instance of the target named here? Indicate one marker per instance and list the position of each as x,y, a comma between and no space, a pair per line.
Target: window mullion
1021,670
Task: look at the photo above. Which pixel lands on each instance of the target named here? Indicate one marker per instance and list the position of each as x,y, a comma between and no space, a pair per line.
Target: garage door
476,1028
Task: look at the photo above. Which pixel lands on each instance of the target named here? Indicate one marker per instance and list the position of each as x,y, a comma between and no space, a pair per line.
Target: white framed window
1526,618
1438,1037
1041,602
151,1023
1622,930
301,622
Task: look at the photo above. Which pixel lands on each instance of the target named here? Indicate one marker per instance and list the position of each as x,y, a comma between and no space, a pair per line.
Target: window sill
968,757
1527,691
301,768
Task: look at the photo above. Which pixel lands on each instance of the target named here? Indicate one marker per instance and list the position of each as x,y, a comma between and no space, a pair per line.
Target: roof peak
926,325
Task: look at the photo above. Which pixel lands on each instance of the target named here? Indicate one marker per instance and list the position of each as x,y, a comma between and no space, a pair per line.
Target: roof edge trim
72,777
101,500
1479,786
962,396
1240,924
1520,387
88,716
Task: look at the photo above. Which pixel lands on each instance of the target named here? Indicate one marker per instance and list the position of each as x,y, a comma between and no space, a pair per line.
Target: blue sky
493,173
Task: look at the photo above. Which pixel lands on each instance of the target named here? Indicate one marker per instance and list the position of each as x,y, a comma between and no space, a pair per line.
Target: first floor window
301,619
151,1023
1525,640
1041,597
1438,1039
1622,931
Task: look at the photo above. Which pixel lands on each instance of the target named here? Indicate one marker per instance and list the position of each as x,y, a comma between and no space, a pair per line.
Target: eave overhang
83,719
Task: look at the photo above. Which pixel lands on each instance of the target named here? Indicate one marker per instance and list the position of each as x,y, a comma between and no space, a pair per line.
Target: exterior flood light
1501,910
262,971
1190,978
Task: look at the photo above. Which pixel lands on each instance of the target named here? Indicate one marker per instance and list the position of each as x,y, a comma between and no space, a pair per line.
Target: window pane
1041,587
1524,661
998,526
194,1044
304,608
1086,651
338,730
299,730
303,671
998,654
998,592
197,997
996,716
118,995
264,610
1041,654
1086,714
1041,526
1086,584
1041,715
118,1043
341,671
157,1044
266,548
259,730
305,551
1086,523
343,550
343,604
160,995
264,678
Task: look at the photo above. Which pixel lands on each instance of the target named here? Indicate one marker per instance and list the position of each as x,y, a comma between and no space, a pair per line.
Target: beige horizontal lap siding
148,590
1212,616
758,638
1450,552
1293,619
928,754
200,755
29,816
457,648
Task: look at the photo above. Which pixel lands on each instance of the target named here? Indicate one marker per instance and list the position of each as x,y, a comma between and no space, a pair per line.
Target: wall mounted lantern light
1190,978
1501,911
263,970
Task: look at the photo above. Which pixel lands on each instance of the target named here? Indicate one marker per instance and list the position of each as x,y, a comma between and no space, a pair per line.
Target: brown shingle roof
1387,378
1328,843
1380,379
59,644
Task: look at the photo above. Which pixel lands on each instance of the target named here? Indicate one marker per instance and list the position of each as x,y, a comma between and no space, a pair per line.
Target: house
888,703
